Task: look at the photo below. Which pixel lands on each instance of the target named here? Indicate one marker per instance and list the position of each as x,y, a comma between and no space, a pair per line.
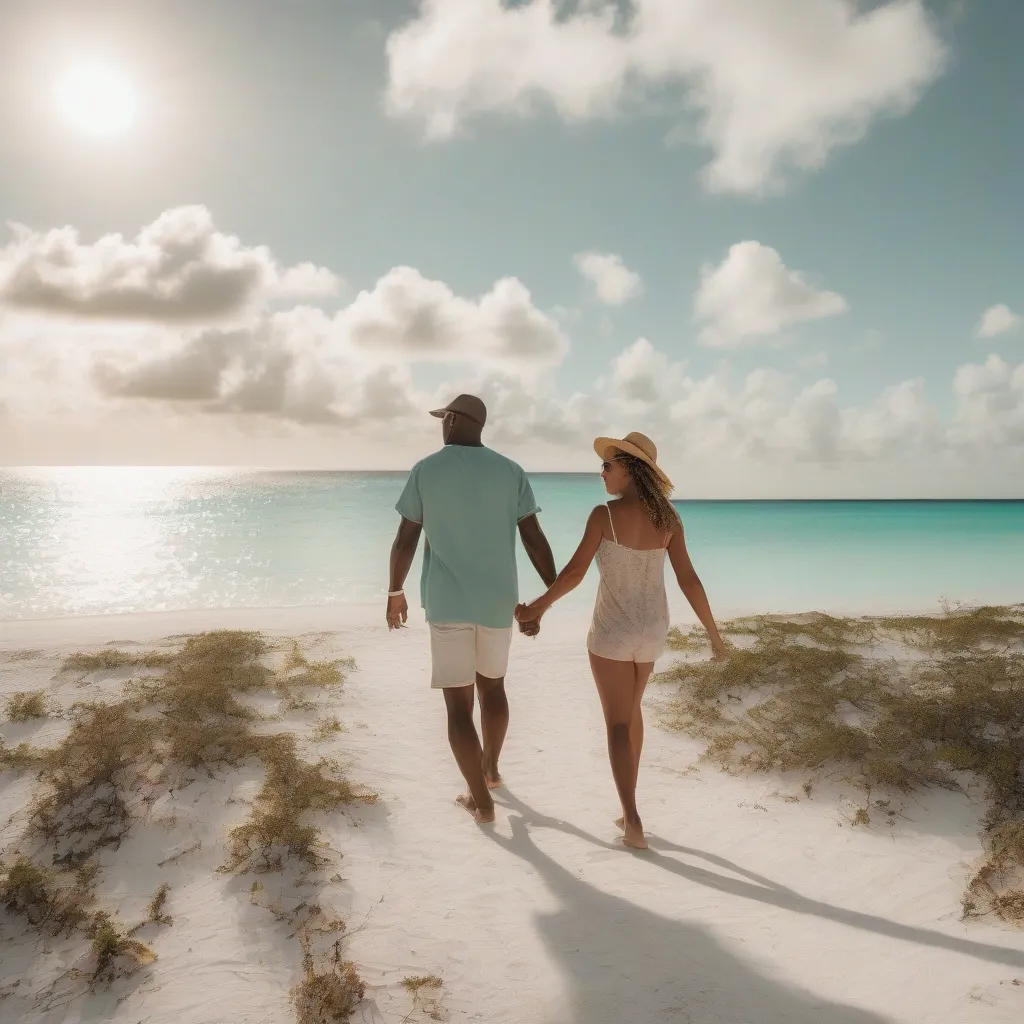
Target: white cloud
643,374
406,314
613,282
997,320
989,405
774,86
282,366
179,269
285,368
752,293
305,281
521,414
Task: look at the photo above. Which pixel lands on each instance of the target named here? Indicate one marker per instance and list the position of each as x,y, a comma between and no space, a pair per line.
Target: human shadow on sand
625,963
763,890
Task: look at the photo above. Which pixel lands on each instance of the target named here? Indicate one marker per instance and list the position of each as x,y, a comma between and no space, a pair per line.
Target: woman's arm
572,575
691,586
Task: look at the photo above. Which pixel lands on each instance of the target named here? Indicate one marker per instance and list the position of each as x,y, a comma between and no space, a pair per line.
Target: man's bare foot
492,776
467,802
634,838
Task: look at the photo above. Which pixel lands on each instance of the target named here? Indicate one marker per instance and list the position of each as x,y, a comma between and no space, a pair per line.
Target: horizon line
251,469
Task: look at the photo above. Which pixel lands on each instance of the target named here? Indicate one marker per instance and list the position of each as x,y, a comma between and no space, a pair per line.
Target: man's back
469,500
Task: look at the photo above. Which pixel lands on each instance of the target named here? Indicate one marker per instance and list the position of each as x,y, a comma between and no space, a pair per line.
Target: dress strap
611,523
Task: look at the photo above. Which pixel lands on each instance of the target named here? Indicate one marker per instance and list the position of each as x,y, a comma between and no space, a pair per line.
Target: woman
629,537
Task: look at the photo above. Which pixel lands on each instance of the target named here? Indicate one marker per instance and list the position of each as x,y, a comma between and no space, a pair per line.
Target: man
469,500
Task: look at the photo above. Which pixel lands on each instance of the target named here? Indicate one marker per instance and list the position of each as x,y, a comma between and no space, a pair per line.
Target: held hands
398,612
528,616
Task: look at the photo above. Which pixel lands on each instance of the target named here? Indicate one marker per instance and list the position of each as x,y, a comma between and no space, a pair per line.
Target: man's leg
492,650
453,663
466,747
493,725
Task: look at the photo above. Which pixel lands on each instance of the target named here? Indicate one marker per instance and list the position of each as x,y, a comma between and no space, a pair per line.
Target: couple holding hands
469,501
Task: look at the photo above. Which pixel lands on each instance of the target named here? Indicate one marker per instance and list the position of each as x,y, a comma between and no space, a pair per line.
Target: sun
97,100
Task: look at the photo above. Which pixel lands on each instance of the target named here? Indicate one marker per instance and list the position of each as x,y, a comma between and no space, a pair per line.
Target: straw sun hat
634,443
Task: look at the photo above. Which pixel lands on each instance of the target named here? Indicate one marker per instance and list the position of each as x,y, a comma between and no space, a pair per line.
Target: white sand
747,908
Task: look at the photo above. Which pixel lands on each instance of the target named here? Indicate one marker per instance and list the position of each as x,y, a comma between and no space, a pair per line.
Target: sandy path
747,908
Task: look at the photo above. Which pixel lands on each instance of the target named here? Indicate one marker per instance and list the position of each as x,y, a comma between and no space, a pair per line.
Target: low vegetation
155,914
325,728
21,655
115,953
329,992
425,990
21,707
192,719
56,903
894,704
110,658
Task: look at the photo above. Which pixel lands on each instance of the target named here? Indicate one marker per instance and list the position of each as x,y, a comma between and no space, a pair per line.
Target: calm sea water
95,540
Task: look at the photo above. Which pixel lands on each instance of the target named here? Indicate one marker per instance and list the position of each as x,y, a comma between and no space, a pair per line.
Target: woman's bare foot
634,833
468,803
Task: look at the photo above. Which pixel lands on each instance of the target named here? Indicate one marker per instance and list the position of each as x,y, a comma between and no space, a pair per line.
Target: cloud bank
179,269
771,88
130,338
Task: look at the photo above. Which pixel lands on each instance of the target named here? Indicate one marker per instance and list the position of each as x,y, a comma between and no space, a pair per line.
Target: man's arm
403,551
538,548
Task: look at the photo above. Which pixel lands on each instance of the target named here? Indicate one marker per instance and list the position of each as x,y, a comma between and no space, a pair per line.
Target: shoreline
568,615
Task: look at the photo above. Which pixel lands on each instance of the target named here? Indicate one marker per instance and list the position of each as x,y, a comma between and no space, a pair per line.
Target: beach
754,902
317,315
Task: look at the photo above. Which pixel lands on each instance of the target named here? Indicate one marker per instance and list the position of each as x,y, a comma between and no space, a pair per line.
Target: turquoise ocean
85,541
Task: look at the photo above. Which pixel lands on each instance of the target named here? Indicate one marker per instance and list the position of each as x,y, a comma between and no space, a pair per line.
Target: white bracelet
395,593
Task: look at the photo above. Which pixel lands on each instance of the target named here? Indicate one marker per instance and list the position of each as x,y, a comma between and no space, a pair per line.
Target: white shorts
460,650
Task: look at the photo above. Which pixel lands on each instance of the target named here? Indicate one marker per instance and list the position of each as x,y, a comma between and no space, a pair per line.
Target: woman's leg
616,681
642,674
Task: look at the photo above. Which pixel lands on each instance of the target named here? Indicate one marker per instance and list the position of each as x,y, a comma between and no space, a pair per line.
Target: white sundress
631,611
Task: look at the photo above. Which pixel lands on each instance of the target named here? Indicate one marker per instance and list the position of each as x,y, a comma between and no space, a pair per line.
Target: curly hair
653,492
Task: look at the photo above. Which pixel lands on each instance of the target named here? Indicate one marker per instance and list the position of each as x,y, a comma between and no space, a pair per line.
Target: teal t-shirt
469,501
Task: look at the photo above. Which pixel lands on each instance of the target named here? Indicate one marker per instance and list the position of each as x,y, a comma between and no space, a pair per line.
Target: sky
781,238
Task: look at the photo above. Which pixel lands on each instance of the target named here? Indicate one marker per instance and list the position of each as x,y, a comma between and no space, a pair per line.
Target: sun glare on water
97,100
